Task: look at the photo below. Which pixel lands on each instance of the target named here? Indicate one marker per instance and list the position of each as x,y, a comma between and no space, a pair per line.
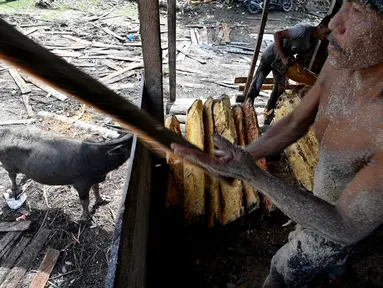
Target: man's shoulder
300,29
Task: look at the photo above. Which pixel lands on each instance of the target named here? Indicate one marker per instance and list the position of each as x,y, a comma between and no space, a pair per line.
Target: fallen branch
106,133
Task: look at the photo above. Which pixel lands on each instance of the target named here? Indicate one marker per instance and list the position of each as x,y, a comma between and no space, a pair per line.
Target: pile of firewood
200,196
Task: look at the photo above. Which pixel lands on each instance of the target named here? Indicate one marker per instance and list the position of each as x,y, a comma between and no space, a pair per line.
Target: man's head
357,35
322,29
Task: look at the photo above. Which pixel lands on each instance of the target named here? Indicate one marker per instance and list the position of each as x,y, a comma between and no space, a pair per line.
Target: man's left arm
354,216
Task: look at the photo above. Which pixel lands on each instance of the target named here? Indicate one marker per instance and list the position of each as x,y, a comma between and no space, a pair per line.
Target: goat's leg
14,188
99,199
83,193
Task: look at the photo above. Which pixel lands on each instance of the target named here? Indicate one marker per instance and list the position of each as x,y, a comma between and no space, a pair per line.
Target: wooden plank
14,226
17,122
151,51
8,239
184,47
24,88
28,107
46,88
113,57
191,56
204,40
180,106
12,256
29,254
197,35
172,50
110,77
226,32
64,53
110,32
240,80
45,269
193,37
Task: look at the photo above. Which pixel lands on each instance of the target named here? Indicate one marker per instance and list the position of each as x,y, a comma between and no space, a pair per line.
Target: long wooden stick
172,48
257,47
22,52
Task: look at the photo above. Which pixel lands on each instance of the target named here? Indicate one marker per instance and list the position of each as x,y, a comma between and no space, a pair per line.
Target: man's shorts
306,256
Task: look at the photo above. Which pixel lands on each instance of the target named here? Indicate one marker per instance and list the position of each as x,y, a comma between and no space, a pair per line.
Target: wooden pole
172,48
256,50
152,53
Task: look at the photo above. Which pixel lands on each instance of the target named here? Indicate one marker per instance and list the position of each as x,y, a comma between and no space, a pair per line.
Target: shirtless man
346,108
298,40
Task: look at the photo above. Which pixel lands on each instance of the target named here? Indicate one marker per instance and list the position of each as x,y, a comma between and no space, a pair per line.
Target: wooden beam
172,48
151,51
240,80
258,46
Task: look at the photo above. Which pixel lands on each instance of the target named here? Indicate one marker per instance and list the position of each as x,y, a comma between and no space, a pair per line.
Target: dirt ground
231,257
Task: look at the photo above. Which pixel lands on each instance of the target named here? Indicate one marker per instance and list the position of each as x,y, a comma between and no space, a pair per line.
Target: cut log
252,200
194,177
302,155
253,133
45,269
231,195
212,184
174,197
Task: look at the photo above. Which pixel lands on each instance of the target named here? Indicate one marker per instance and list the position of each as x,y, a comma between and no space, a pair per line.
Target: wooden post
256,50
172,48
152,53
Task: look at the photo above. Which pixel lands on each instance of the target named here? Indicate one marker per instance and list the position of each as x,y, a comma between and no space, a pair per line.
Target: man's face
357,37
323,31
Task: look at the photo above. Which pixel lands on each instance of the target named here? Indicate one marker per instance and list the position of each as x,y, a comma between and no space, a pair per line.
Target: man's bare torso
348,127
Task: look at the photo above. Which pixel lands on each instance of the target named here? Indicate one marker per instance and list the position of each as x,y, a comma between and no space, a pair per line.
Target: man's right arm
291,127
278,40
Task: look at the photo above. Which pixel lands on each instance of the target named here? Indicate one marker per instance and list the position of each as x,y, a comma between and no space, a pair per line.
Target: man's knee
274,279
